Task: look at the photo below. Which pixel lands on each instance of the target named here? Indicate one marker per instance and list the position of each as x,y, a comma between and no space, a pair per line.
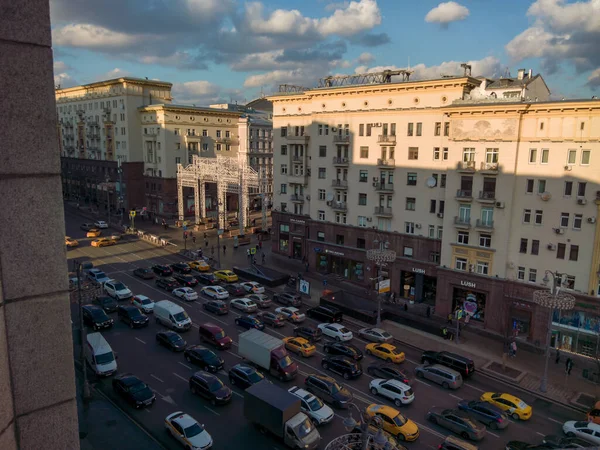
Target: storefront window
284,245
338,265
520,323
576,331
417,287
471,302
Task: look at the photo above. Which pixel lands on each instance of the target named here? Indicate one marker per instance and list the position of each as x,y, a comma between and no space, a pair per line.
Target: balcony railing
297,198
462,222
487,224
340,161
339,139
489,167
291,137
339,184
386,162
464,194
383,187
386,139
487,196
338,206
297,158
466,166
383,211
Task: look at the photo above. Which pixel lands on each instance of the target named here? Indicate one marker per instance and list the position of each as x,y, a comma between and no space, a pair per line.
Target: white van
172,315
99,355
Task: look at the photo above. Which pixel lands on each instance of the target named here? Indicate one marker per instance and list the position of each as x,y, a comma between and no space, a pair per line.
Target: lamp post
378,441
108,198
219,231
553,300
381,255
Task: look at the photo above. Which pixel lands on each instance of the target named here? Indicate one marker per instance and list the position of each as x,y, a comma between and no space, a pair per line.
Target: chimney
521,74
530,73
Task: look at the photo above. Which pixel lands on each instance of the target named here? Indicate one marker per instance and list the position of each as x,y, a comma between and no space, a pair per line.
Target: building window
178,160
585,157
581,189
564,220
560,251
440,232
539,216
362,221
482,268
283,131
463,238
218,147
541,186
574,253
526,216
364,152
321,215
407,252
340,218
438,129
436,153
411,179
491,155
485,240
434,257
577,220
443,180
361,243
322,194
369,129
322,151
363,176
177,131
204,147
284,150
227,147
545,155
321,236
413,153
284,169
523,246
322,173
431,232
284,188
568,188
410,130
461,264
320,130
572,157
178,146
529,186
532,275
446,128
409,227
205,133
432,206
521,273
410,203
362,199
532,155
445,153
419,128
361,129
468,154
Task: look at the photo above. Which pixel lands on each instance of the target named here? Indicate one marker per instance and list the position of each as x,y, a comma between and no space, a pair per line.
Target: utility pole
86,395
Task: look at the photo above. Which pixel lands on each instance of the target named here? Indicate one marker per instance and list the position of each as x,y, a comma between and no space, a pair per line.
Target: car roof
510,397
384,409
244,368
142,297
299,392
129,379
128,307
398,384
323,378
204,375
211,326
384,345
92,307
339,326
300,339
185,420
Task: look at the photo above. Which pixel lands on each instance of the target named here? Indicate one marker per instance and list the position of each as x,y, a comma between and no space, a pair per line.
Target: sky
235,50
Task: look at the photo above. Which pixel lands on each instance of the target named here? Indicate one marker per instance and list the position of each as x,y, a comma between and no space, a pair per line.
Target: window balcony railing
338,206
299,198
386,162
487,196
489,167
464,194
487,224
383,187
341,139
466,166
462,222
340,161
386,139
383,211
339,184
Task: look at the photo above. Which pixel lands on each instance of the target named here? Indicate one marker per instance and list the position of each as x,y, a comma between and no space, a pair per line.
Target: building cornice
115,81
190,109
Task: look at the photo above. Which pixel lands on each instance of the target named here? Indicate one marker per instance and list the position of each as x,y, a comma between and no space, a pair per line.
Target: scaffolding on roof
364,78
292,88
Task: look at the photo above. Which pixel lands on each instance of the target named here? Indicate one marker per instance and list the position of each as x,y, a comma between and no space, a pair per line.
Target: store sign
333,252
297,221
415,270
317,249
383,286
468,284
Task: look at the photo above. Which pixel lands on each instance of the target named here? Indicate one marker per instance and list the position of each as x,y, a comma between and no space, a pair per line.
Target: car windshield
215,385
119,286
255,377
315,404
220,335
145,301
285,362
99,314
399,420
385,334
105,358
174,338
180,316
335,388
138,387
344,330
304,429
192,431
100,275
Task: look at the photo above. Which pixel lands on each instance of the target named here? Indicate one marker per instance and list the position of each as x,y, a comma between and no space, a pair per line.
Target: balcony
386,162
383,211
339,139
463,195
484,224
487,196
150,136
339,161
193,137
226,141
489,168
297,159
384,187
297,198
339,184
466,167
386,139
302,138
462,222
338,206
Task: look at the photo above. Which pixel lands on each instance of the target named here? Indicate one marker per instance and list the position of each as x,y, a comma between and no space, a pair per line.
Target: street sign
383,286
131,214
305,287
253,251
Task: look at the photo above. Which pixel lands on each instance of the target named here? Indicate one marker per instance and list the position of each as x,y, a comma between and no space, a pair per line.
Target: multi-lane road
168,372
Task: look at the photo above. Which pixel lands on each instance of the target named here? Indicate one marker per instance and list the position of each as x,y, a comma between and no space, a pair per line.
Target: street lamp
378,441
381,255
108,197
219,231
553,300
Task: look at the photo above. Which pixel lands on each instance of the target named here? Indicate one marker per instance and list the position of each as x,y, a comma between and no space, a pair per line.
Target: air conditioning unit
551,247
440,215
499,204
329,203
333,129
559,231
417,225
510,264
375,184
369,219
591,220
308,198
375,179
568,168
581,201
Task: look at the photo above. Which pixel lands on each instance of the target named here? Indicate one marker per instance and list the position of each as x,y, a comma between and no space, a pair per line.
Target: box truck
268,352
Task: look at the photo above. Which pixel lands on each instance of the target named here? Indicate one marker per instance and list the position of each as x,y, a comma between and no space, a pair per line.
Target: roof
120,80
211,326
502,83
185,420
261,104
188,108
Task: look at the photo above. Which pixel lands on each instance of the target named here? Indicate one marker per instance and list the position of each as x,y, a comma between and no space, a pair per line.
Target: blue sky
214,50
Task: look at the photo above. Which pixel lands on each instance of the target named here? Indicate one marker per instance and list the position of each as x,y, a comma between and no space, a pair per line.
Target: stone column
197,202
180,200
37,379
202,195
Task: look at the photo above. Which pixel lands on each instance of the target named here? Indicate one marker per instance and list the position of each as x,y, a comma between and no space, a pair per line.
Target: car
307,332
97,277
394,422
329,390
216,292
244,376
70,242
252,287
199,265
458,422
311,405
388,372
243,304
171,340
588,431
203,357
336,331
132,316
260,299
207,279
93,233
559,442
249,322
144,303
185,280
235,289
162,270
117,290
288,299
292,314
103,242
226,275
463,365
108,304
300,346
95,317
346,367
218,307
144,273
137,393
86,226
375,335
185,293
271,318
516,408
100,224
453,443
521,445
180,267
187,431
343,349
485,413
168,283
396,391
448,378
116,236
327,314
387,352
210,387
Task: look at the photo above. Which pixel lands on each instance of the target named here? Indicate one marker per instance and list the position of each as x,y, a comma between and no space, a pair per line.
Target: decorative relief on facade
484,129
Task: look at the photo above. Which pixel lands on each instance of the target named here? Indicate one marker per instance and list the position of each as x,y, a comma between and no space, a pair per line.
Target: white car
396,391
243,304
312,406
215,292
336,331
117,290
290,313
186,293
101,224
253,287
588,431
187,431
143,303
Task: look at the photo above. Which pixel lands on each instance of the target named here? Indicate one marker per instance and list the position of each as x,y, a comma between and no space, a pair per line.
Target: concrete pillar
37,379
197,203
180,200
202,195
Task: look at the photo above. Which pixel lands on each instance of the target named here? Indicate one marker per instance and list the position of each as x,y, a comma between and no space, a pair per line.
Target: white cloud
115,73
296,76
203,93
259,61
93,37
61,76
365,58
593,80
337,5
447,12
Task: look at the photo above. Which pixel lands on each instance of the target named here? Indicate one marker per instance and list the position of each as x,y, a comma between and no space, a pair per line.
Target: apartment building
477,196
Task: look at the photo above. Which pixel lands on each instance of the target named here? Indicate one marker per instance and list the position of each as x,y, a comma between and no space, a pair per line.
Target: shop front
576,331
418,285
336,262
471,301
520,320
290,237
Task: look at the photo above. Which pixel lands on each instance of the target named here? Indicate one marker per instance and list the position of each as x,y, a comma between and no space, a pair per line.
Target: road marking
541,434
147,410
493,434
237,393
234,354
212,411
473,387
554,420
184,365
180,377
422,382
458,398
138,339
156,378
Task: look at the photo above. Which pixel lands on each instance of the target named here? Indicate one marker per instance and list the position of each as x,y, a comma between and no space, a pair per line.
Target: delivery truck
268,352
275,411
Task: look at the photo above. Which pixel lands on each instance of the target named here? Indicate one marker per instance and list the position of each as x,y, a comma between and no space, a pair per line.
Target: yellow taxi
103,242
200,266
394,422
94,232
300,346
226,275
70,242
514,406
387,352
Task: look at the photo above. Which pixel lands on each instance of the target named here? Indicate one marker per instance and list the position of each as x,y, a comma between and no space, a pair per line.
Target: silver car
448,378
260,299
375,335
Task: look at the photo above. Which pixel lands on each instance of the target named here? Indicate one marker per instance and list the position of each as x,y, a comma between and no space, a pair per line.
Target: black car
171,340
207,279
210,387
218,307
272,318
244,376
520,445
235,289
203,357
485,413
288,299
87,226
388,373
144,273
108,304
327,314
249,322
346,367
328,390
309,333
168,284
163,270
181,268
132,316
95,317
463,365
134,390
560,442
185,280
343,349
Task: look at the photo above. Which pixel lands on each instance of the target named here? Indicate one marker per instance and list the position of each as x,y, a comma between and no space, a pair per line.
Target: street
168,373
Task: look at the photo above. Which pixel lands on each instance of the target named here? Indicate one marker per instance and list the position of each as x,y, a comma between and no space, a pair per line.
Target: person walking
513,349
557,360
206,242
306,266
428,312
569,366
205,235
248,253
224,249
263,258
194,240
260,245
449,319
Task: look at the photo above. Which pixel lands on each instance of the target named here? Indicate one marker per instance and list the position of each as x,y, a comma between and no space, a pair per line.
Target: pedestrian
569,366
224,249
260,245
212,250
405,306
263,258
248,253
206,242
256,248
194,239
513,348
428,312
445,333
393,298
306,266
449,321
205,235
557,360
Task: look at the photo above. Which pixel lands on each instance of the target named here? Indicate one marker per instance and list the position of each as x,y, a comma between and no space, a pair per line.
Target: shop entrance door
297,250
